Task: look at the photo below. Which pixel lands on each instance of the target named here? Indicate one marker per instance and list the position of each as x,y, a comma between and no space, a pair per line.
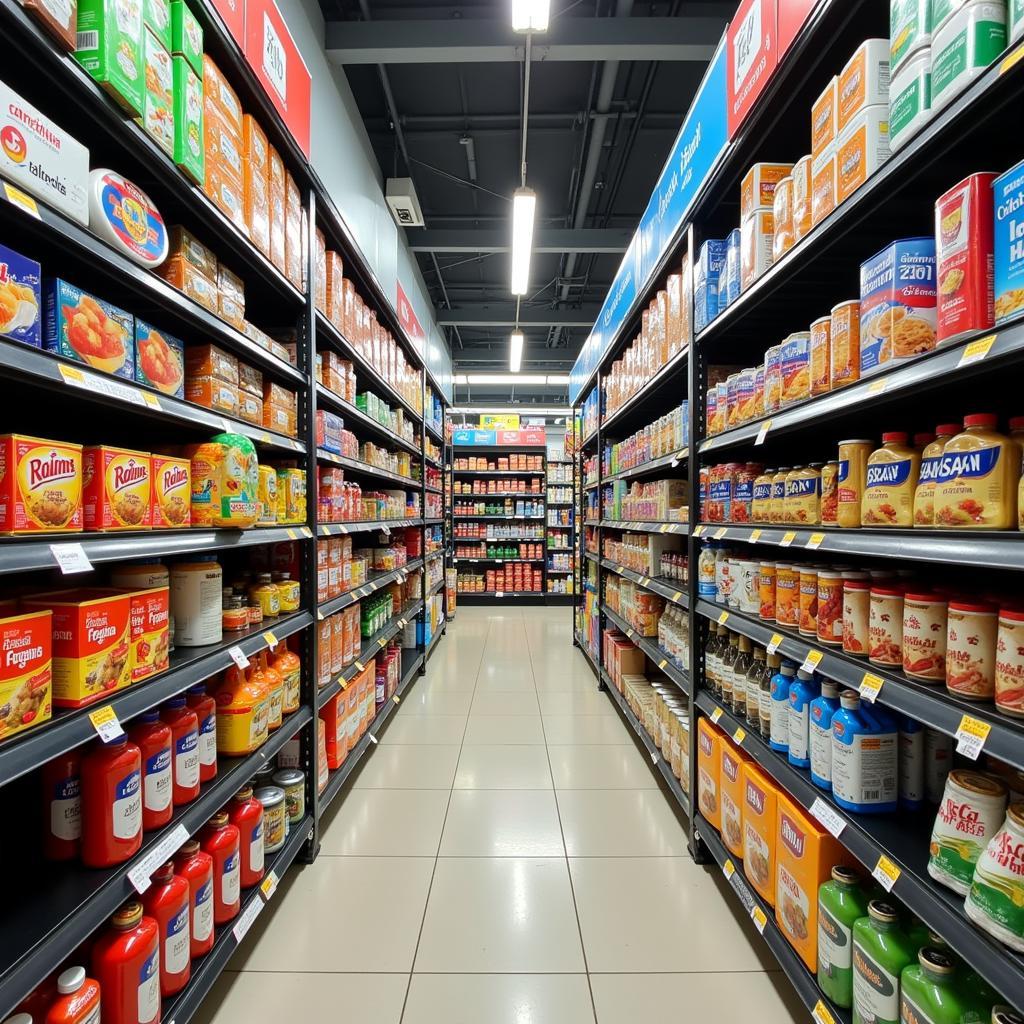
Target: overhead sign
526,437
792,15
232,13
472,436
752,44
408,319
505,421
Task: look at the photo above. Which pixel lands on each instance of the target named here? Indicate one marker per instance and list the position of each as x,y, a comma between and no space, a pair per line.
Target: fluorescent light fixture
524,210
497,410
515,351
558,378
530,15
550,379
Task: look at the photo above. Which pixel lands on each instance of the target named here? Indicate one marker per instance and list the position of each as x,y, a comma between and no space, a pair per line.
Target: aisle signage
408,319
753,56
473,436
505,421
232,13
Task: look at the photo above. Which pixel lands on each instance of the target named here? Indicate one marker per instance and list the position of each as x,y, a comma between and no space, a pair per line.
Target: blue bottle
911,763
822,710
781,682
801,693
865,758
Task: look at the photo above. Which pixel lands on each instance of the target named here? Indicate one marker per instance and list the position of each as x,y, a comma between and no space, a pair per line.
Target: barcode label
87,40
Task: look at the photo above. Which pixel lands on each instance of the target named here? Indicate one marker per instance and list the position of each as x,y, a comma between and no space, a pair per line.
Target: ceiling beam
504,315
547,240
434,41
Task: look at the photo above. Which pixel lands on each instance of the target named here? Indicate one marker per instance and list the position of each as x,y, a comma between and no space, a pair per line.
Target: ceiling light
505,379
530,15
524,209
558,378
515,352
523,410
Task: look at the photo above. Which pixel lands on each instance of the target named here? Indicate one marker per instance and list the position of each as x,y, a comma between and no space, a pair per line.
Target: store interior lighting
515,352
524,210
510,379
530,15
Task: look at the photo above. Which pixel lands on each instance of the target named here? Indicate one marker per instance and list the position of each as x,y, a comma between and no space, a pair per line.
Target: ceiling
439,86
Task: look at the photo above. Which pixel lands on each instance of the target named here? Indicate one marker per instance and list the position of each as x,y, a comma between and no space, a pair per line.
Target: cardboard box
88,330
156,16
279,419
221,95
275,394
757,234
250,408
1008,193
58,17
256,183
26,671
824,175
185,245
295,255
117,489
320,294
189,146
186,277
20,298
149,617
110,44
731,796
159,360
250,380
212,394
825,119
864,82
158,96
40,485
172,492
759,830
863,148
278,203
709,770
757,191
186,36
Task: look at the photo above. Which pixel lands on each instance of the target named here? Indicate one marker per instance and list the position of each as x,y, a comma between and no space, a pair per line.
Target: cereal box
81,327
1008,195
184,276
149,616
19,298
159,360
186,36
709,767
863,148
864,81
91,649
897,303
189,151
759,830
26,672
58,17
110,48
156,16
731,786
964,258
172,492
825,120
40,485
116,489
757,191
212,394
910,29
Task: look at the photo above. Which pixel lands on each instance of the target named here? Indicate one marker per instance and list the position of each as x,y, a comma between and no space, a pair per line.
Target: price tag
386,531
876,387
151,400
815,541
828,816
723,618
970,736
760,921
19,198
698,530
237,655
141,873
755,536
244,923
773,644
270,639
719,533
665,527
342,683
662,663
675,597
787,538
1015,58
269,885
292,535
373,739
739,736
870,686
500,593
822,1014
976,350
762,433
728,868
319,615
104,721
382,642
654,757
72,375
886,873
71,558
716,715
306,532
812,661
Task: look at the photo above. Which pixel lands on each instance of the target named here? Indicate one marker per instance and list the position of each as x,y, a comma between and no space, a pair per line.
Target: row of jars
253,598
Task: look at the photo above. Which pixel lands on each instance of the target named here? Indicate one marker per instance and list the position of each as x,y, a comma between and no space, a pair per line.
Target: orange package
731,799
149,616
802,197
709,768
250,380
211,361
256,182
117,489
759,830
40,485
91,650
335,290
250,408
323,650
226,192
172,493
825,119
187,278
211,393
26,672
184,244
278,201
349,327
281,420
823,187
294,256
275,394
224,162
216,91
320,293
336,730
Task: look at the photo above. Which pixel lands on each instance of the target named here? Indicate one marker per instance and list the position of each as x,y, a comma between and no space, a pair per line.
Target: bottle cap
850,699
845,875
829,689
152,715
951,429
164,873
70,980
936,961
243,795
885,913
895,437
986,420
219,820
175,702
128,916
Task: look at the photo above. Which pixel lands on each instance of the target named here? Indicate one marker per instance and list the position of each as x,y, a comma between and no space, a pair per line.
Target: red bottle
167,902
126,963
39,1000
184,723
221,841
205,708
196,867
111,803
153,738
78,999
246,814
62,807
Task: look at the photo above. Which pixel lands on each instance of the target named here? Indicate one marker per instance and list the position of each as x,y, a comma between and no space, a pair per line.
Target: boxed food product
962,50
186,36
189,147
231,285
256,182
320,293
279,419
1016,20
26,671
91,650
187,278
709,769
40,485
20,298
58,17
910,98
110,43
250,407
1008,195
825,119
278,202
823,186
156,16
784,237
148,635
291,495
41,158
171,492
212,393
250,380
219,93
897,303
230,300
211,361
759,830
757,234
184,245
910,29
295,256
802,193
729,278
275,394
159,360
864,82
81,327
335,289
710,261
757,190
117,489
863,148
731,785
223,163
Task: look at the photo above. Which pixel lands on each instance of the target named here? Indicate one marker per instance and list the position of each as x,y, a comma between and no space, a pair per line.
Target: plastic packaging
221,841
781,683
62,807
123,215
78,1000
153,738
184,725
841,903
801,693
881,949
196,867
822,709
246,814
111,803
864,757
126,963
205,708
167,902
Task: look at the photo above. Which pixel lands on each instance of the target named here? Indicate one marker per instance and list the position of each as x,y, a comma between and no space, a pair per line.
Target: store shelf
432,490
434,640
651,648
680,529
460,558
378,580
640,401
668,589
365,526
499,593
560,572
70,728
502,517
46,920
356,419
498,473
671,461
366,469
432,460
581,643
591,556
439,585
500,494
433,554
551,549
933,706
437,433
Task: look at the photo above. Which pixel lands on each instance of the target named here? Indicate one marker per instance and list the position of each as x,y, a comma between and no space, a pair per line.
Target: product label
780,712
835,948
875,990
821,750
997,894
798,722
157,780
186,760
230,880
208,739
176,942
134,220
149,988
864,767
256,848
202,912
128,809
1009,243
66,809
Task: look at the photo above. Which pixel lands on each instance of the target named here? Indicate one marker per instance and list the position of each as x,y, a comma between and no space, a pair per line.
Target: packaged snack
824,120
211,361
159,360
824,184
212,393
757,234
20,298
26,672
864,82
186,36
40,485
275,394
225,482
230,297
222,95
158,95
189,149
291,495
149,616
88,330
863,148
709,741
757,191
117,489
844,335
802,193
910,29
112,32
1008,194
820,355
123,215
172,492
184,276
256,182
965,46
156,16
279,419
250,408
267,491
185,246
760,829
910,98
58,17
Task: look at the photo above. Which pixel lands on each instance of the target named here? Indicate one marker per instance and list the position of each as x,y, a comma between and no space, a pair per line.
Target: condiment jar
853,471
996,900
766,590
243,714
885,626
234,615
196,867
111,803
62,806
167,902
787,594
246,814
830,493
293,782
196,602
275,817
808,601
184,723
264,593
271,678
803,495
289,666
777,509
762,500
971,650
856,613
126,963
288,590
155,743
77,1002
931,462
205,708
924,636
221,841
830,607
891,481
1010,662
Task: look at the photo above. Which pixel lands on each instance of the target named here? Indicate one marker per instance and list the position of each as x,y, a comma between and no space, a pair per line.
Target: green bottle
932,993
881,949
840,903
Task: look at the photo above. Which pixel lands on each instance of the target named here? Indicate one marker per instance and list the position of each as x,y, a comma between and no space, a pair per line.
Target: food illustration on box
25,672
19,298
40,485
116,488
82,327
159,360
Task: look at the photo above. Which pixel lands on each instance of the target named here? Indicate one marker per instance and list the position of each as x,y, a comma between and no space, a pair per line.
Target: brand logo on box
13,143
274,62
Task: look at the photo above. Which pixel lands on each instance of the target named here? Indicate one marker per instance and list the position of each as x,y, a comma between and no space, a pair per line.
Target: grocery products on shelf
514,462
648,501
667,435
498,485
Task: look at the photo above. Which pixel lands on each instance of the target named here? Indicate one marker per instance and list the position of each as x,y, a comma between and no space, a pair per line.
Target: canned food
821,356
924,637
787,594
971,650
275,817
766,590
808,601
830,606
856,613
1010,663
885,626
829,493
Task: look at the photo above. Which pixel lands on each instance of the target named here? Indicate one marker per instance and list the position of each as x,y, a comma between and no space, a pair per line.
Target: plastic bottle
167,902
801,692
184,723
931,460
289,667
911,761
820,730
741,666
221,842
881,949
205,708
246,814
933,990
772,663
111,803
126,963
891,482
841,903
78,999
196,867
713,659
153,739
781,682
62,807
275,684
864,758
728,660
243,714
755,674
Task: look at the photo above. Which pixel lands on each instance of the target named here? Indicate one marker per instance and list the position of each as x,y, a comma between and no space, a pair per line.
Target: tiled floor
504,857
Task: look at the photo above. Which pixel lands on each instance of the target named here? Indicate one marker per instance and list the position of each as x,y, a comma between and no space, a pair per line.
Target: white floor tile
586,729
499,999
502,823
504,729
408,766
504,704
503,766
620,823
385,823
591,702
600,766
420,729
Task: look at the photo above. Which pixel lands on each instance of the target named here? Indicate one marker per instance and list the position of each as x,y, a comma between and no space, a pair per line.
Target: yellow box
760,795
757,191
26,672
731,799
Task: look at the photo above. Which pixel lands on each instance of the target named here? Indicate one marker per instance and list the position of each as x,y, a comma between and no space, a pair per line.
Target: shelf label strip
245,922
142,872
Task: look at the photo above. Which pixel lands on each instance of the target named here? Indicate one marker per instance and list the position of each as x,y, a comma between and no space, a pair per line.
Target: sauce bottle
841,903
246,814
864,757
288,665
741,666
205,708
62,807
78,999
713,659
728,660
167,902
820,734
153,739
754,676
781,681
111,803
772,662
243,713
221,842
853,469
931,460
881,949
777,506
184,723
891,482
933,990
275,684
126,963
196,867
801,693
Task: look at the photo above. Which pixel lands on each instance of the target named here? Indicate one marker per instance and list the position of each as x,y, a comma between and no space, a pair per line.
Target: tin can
712,420
732,407
808,621
1010,663
766,590
821,356
275,817
746,391
742,505
787,594
746,589
803,495
856,613
924,636
885,626
830,493
830,607
777,509
773,379
761,504
996,899
796,374
844,339
971,650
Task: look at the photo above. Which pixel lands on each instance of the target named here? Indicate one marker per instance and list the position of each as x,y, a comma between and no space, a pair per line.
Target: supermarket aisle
504,857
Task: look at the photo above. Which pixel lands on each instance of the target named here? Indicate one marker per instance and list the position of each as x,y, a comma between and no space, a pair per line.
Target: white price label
760,919
773,644
970,736
237,655
373,739
828,816
275,63
142,872
269,885
871,686
71,558
654,757
762,433
244,923
500,593
812,661
104,721
886,873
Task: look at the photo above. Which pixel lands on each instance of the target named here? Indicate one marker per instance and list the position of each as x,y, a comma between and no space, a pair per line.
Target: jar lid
850,700
979,607
269,796
845,875
243,795
936,961
187,849
197,688
887,590
69,981
1015,813
987,420
977,782
152,715
219,820
954,428
856,440
164,873
829,688
128,916
175,702
895,437
884,912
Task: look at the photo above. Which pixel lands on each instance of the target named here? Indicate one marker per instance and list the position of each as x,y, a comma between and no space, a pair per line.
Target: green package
156,16
186,36
110,46
881,949
933,992
910,28
189,153
158,100
841,903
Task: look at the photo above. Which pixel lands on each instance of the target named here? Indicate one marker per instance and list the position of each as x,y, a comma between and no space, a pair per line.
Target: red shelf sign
752,55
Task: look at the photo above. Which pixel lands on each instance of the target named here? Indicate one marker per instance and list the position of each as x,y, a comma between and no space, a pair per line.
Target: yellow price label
787,538
760,920
104,721
871,686
19,198
812,661
815,541
755,536
773,644
723,618
675,597
716,715
976,350
728,868
269,885
665,527
71,374
292,535
822,1014
270,639
1015,58
971,735
662,663
719,533
398,700
739,736
343,683
762,433
359,666
151,400
886,873
876,387
698,530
